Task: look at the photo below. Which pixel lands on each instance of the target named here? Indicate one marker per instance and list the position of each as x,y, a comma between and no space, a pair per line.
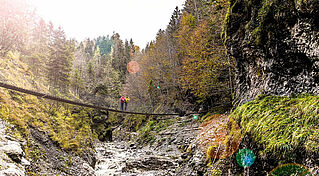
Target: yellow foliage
203,60
188,20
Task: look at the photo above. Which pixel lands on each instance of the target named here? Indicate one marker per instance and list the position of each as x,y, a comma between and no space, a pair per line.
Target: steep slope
275,45
52,137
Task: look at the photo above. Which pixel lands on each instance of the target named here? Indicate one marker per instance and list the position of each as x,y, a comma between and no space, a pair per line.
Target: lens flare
245,157
133,67
219,136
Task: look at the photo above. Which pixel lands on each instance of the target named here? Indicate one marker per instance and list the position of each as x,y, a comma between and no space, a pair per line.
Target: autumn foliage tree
206,70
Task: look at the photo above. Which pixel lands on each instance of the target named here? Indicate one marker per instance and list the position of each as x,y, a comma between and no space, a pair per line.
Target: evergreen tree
127,55
89,47
61,57
193,7
77,82
132,46
119,61
104,44
174,21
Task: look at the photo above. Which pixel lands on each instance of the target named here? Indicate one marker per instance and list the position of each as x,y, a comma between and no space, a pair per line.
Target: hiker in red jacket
122,102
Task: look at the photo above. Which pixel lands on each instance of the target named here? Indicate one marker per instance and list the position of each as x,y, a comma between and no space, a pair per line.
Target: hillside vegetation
69,126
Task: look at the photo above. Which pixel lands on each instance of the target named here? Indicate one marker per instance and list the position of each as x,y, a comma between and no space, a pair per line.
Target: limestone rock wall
276,46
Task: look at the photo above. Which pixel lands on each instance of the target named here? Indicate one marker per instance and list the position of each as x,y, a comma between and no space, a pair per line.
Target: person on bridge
126,101
122,102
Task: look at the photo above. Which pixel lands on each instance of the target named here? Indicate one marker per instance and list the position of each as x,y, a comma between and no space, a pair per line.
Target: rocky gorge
172,151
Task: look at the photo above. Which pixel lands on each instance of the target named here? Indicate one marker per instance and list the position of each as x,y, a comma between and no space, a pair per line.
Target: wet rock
89,157
162,157
195,163
122,161
149,164
88,170
25,162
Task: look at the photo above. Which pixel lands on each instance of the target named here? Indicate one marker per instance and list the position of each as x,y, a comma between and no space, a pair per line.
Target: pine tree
77,82
60,60
89,47
127,56
119,61
174,21
132,46
193,7
104,44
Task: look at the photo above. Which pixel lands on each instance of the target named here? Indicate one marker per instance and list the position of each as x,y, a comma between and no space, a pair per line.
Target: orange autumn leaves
219,136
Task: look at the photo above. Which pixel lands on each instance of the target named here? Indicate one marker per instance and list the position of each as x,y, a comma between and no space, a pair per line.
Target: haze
136,19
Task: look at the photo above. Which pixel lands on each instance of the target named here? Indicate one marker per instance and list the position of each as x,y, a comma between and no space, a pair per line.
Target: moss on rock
282,124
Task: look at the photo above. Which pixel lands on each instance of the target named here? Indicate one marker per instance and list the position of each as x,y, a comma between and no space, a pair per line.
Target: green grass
281,124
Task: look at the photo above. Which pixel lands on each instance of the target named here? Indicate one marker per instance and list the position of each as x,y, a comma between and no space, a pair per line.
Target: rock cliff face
276,46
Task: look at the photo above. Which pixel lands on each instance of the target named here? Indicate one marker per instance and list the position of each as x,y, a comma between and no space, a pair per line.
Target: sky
136,19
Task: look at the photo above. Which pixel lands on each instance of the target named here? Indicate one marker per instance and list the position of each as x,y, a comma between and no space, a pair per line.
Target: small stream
121,159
